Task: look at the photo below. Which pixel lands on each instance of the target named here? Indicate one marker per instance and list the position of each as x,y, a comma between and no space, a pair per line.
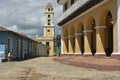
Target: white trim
64,53
62,1
53,32
100,53
70,53
62,45
98,27
44,31
115,53
87,31
86,12
70,36
72,8
87,53
118,15
10,44
64,37
103,53
78,34
78,53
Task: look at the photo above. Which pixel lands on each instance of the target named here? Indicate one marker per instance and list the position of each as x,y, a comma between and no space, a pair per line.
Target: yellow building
48,37
90,27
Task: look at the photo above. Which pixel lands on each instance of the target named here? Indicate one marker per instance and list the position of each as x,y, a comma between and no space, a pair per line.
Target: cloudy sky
27,16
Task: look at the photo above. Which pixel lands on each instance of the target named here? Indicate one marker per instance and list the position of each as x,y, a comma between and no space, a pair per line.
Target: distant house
42,50
18,44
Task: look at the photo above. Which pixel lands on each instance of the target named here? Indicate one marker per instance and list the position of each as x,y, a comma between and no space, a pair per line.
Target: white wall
118,15
41,50
62,42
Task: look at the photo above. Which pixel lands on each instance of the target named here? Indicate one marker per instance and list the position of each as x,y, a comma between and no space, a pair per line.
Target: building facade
90,27
58,45
48,37
21,46
42,50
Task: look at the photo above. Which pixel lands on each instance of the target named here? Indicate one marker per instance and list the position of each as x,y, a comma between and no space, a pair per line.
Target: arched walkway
95,32
78,35
90,36
109,34
65,41
93,37
72,40
82,39
105,34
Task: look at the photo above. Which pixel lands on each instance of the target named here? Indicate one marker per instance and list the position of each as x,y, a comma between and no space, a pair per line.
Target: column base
87,53
104,54
63,53
78,53
116,53
70,54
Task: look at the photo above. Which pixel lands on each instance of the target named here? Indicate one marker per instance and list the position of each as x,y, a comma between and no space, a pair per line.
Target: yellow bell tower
49,21
48,36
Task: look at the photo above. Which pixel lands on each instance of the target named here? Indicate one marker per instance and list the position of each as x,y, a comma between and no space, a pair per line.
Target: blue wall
4,40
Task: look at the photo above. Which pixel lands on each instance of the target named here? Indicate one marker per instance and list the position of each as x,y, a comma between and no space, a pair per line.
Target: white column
52,32
70,41
118,15
78,43
62,44
87,41
62,37
44,31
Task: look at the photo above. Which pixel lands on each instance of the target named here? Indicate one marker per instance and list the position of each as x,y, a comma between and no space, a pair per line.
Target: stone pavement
45,68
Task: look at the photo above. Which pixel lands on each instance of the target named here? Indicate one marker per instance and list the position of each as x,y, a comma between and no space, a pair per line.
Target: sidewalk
102,63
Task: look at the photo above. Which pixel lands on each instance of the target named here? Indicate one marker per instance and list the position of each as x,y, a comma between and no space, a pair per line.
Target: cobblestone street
45,68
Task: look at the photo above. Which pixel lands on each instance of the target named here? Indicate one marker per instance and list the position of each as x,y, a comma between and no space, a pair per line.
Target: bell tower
48,36
49,21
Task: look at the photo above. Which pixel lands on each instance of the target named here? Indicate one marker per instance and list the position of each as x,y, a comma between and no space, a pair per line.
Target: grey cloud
27,16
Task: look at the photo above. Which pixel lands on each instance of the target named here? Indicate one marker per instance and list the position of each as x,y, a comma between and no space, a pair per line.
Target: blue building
18,44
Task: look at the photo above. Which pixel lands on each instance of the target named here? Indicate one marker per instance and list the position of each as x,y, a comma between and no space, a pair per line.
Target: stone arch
82,39
78,37
72,31
79,27
65,33
72,38
91,24
109,34
65,39
102,21
106,20
90,36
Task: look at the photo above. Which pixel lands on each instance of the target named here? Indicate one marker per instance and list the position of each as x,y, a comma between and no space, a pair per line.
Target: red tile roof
49,5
